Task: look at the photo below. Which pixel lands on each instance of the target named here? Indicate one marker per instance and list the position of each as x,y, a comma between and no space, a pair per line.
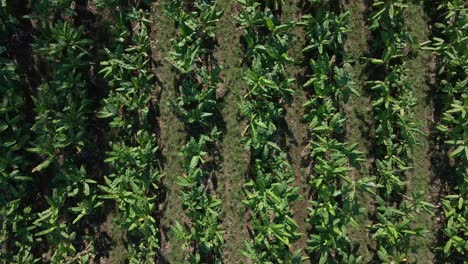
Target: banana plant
394,230
202,208
393,39
65,92
196,28
198,103
386,12
52,230
136,197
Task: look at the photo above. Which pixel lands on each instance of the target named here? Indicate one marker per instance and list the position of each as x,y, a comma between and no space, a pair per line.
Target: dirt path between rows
172,136
235,158
296,130
420,179
359,119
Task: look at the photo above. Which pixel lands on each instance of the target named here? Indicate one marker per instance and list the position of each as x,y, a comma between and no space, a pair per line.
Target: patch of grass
172,136
419,179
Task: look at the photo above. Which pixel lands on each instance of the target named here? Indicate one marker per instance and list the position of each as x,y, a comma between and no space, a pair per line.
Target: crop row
134,182
15,208
196,105
396,132
450,44
50,196
334,204
269,193
60,133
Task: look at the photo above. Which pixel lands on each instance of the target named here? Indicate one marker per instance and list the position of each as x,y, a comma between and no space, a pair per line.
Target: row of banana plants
130,107
16,239
60,131
269,193
450,44
334,204
196,104
395,132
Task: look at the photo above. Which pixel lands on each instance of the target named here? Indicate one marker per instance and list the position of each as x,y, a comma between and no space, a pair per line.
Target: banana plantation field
233,131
